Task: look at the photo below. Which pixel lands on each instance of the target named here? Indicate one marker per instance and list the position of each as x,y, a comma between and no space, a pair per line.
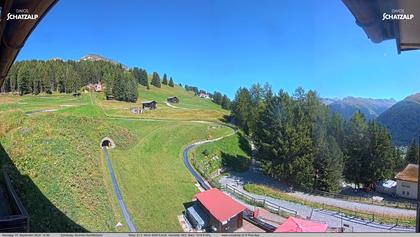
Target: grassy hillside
233,152
187,98
31,103
191,107
152,175
59,170
54,164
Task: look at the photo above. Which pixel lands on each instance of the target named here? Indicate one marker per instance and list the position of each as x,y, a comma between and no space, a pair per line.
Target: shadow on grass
44,216
188,204
244,144
226,119
238,163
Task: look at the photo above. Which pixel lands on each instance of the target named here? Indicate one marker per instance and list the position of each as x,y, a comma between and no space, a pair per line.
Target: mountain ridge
403,120
347,106
97,57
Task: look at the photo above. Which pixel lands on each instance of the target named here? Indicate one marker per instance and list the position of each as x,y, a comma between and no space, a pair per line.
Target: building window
403,192
405,185
408,193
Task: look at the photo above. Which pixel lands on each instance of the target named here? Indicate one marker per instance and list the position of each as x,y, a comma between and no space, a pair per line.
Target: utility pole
418,193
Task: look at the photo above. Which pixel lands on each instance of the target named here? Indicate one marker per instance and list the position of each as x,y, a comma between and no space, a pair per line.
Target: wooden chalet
150,105
173,100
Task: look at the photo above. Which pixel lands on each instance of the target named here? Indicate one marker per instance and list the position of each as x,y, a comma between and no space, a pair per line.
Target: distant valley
402,118
371,108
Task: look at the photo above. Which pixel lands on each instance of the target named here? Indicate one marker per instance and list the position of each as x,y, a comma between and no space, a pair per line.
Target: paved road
378,210
124,210
333,219
196,175
254,175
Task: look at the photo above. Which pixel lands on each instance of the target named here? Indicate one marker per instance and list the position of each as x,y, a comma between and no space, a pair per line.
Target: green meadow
50,147
190,108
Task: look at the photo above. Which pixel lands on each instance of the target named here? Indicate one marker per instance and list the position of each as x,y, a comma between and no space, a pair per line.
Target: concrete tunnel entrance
107,142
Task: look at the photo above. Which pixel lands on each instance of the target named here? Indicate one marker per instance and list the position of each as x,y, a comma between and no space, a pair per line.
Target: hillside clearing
152,176
60,173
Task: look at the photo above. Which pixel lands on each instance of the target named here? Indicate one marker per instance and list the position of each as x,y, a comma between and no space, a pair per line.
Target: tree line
222,100
413,152
38,76
217,97
300,141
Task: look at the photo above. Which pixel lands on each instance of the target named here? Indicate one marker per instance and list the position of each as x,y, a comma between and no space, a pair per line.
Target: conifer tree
217,97
171,82
24,79
156,80
165,79
241,107
225,102
413,153
356,147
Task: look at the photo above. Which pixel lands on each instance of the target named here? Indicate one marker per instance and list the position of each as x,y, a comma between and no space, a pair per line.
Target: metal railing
404,205
261,202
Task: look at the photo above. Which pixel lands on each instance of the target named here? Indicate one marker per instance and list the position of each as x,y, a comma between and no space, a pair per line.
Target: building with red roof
294,224
223,214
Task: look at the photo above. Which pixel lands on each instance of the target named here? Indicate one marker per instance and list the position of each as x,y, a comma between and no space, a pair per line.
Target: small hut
173,100
150,105
216,210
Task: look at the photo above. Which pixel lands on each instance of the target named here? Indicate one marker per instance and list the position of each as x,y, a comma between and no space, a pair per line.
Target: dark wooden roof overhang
369,16
14,33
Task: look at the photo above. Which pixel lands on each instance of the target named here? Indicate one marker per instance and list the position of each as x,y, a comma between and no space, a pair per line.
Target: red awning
298,225
221,206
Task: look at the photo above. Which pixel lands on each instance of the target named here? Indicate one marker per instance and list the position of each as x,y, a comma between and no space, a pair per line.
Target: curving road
333,219
187,163
196,175
117,190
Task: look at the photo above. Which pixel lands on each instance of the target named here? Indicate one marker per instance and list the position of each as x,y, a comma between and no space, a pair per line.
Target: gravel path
170,105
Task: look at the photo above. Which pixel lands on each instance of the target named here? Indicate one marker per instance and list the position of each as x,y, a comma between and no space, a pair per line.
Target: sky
226,44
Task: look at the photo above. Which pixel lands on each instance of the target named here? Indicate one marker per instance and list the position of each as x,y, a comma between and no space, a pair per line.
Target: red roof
220,205
298,225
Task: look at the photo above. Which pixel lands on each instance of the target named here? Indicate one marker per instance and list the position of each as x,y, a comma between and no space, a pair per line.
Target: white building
387,186
407,182
204,95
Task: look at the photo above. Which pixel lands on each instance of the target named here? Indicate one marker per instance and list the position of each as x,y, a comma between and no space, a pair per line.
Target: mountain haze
403,120
371,108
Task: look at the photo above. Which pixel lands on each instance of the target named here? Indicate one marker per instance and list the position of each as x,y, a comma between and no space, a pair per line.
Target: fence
368,218
266,204
19,221
405,205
